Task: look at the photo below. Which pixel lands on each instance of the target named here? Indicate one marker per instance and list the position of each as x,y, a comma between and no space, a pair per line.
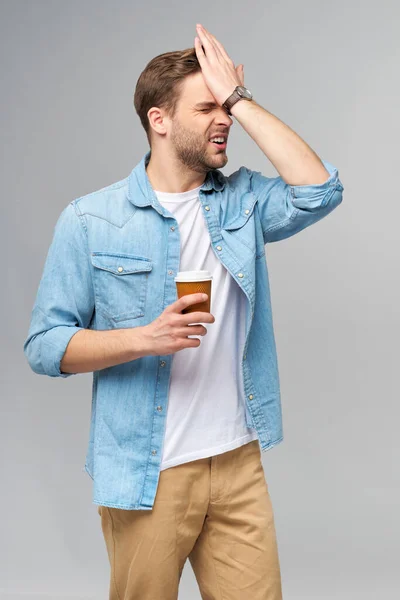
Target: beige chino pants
215,511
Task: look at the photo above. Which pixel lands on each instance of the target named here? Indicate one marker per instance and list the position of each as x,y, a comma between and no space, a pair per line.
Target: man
186,482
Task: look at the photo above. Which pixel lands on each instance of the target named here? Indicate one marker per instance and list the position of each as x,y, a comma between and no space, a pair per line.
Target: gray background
328,70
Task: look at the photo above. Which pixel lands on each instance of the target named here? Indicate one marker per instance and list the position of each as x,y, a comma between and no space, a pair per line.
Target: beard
194,151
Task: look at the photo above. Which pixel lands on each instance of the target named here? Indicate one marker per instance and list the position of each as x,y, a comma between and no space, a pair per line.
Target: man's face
198,118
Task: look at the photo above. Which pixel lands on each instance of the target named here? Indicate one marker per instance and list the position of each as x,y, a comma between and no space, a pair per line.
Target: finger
194,329
197,317
191,330
240,72
201,57
184,332
185,301
220,48
217,46
208,45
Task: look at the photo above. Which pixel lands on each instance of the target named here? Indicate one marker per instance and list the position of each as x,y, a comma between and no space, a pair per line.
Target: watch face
244,92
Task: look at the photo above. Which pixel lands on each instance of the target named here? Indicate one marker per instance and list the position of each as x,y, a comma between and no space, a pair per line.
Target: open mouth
220,145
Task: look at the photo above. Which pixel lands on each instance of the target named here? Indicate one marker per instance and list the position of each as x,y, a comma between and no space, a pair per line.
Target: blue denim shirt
111,264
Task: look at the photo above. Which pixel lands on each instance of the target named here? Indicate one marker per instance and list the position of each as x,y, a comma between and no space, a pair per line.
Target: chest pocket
247,204
242,226
120,282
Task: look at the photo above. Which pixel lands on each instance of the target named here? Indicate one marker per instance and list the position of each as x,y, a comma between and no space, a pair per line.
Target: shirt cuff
317,191
54,344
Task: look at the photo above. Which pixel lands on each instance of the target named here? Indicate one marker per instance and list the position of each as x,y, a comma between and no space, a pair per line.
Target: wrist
239,93
141,342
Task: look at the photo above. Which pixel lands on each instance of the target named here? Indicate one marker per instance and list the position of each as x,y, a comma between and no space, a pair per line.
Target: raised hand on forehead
219,72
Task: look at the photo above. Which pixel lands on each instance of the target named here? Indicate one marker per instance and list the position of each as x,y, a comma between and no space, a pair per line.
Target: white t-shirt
206,404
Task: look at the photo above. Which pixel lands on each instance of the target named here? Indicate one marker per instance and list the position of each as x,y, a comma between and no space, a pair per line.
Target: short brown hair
160,83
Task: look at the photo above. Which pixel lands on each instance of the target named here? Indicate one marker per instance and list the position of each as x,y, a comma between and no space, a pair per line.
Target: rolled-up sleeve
65,300
287,209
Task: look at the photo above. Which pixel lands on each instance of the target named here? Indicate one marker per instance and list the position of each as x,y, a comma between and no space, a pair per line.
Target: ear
157,120
240,72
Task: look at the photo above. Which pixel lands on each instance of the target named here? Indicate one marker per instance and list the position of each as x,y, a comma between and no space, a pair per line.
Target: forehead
195,90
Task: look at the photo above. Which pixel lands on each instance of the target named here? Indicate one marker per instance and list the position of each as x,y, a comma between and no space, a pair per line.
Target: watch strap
233,98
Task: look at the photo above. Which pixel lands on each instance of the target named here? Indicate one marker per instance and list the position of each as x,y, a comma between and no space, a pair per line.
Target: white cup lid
193,276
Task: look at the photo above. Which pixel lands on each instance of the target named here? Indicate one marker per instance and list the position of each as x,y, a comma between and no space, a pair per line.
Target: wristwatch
239,93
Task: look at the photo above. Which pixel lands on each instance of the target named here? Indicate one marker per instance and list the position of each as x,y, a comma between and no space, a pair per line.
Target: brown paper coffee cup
193,282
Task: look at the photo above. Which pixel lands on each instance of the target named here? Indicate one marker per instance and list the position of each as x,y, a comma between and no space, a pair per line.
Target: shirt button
159,408
162,363
154,452
240,275
251,397
219,248
172,228
120,269
244,357
170,272
246,212
207,207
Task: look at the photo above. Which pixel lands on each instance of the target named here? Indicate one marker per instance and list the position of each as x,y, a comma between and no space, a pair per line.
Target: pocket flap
121,264
247,205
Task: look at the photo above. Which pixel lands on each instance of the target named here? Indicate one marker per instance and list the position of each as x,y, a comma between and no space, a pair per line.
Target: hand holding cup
169,332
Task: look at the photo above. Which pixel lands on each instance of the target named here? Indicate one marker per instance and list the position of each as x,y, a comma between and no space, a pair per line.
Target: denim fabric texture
111,264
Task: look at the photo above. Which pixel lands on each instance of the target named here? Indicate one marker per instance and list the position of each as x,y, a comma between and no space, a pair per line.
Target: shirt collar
140,192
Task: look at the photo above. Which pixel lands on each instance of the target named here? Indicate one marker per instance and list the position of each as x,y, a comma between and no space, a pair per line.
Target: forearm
294,160
90,350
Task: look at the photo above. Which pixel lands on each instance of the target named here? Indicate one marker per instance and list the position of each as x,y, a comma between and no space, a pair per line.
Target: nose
223,118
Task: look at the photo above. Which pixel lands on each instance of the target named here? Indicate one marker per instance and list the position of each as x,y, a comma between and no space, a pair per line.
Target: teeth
217,139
